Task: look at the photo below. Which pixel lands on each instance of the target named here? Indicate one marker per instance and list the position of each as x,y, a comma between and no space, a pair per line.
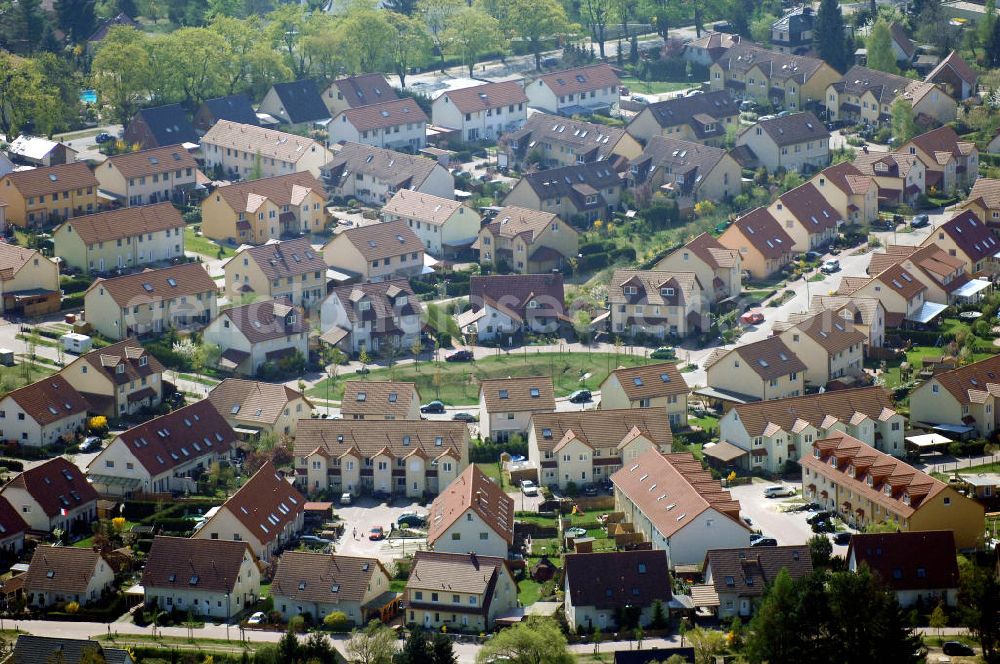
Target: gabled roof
956,64
764,233
717,104
52,179
971,235
35,148
13,257
581,79
368,438
265,504
455,572
884,86
682,163
285,258
402,171
61,569
168,124
711,251
810,208
301,101
651,381
153,161
183,564
885,164
125,222
128,354
793,129
518,394
769,358
55,485
941,143
383,296
712,40
654,287
923,560
472,490
602,429
898,33
235,108
11,522
281,190
618,579
196,430
423,207
831,332
155,285
324,578
30,649
266,321
747,572
843,405
986,190
512,221
577,182
776,66
487,96
388,113
378,398
49,400
269,143
899,279
511,294
364,89
383,240
847,177
589,141
968,382
252,400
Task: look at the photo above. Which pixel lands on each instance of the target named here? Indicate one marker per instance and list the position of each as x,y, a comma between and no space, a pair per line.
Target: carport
927,442
724,454
926,313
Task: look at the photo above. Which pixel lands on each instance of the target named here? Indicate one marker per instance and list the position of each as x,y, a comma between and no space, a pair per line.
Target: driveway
366,513
767,515
915,237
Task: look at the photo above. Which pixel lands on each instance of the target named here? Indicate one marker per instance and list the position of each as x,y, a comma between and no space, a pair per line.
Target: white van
778,491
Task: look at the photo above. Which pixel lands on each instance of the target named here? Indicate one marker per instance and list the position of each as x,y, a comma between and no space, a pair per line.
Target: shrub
73,607
337,621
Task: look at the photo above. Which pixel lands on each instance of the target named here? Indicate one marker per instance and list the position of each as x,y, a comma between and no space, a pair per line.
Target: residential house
865,314
117,380
507,305
234,108
104,26
773,432
401,457
482,112
355,91
984,202
789,81
920,568
160,126
864,486
372,316
149,302
967,238
735,579
210,578
830,347
253,335
950,163
67,574
901,178
395,124
707,48
253,407
658,304
296,104
806,217
318,584
29,281
40,152
577,91
705,118
867,95
903,268
587,447
43,413
373,175
506,405
764,370
29,649
167,454
902,46
256,211
587,191
279,270
121,239
961,397
955,77
241,150
685,171
12,531
54,494
793,32
458,591
763,245
6,166
472,514
852,194
42,197
603,589
150,176
711,263
901,292
527,241
797,142
660,386
677,506
379,400
266,513
446,227
377,252
552,140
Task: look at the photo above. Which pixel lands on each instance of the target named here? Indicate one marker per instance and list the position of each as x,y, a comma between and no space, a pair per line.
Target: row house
659,386
552,140
373,175
482,112
278,270
242,150
852,194
526,240
149,176
117,380
830,347
41,197
588,191
577,91
397,124
867,95
711,262
256,211
704,118
788,81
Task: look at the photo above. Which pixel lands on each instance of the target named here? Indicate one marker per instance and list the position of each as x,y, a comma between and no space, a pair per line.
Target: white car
528,488
778,491
345,498
256,619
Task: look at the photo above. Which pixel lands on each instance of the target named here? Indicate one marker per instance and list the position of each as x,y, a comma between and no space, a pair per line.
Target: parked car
103,137
664,353
842,539
432,407
830,266
90,444
819,516
920,221
345,498
590,490
363,371
459,356
755,536
464,417
752,318
256,618
957,649
765,541
576,532
823,527
377,533
778,491
580,396
529,488
411,520
550,62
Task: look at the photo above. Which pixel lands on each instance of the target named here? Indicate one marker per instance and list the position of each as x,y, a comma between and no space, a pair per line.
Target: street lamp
227,612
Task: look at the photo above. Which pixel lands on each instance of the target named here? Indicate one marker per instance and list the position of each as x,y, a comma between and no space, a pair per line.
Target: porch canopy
928,312
971,288
927,441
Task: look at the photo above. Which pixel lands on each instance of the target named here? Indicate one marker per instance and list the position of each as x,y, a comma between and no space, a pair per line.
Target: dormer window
532,304
850,470
906,498
143,361
120,369
667,292
631,290
869,481
887,490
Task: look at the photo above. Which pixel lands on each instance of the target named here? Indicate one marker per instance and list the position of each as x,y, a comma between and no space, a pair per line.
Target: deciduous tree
879,47
533,641
471,32
539,21
436,15
410,45
122,71
375,644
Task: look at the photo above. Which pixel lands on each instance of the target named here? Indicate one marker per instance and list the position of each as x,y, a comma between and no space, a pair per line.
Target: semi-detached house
66,574
42,413
967,238
280,270
447,227
506,405
557,141
602,588
796,142
241,150
41,197
807,217
685,171
660,386
54,494
117,380
736,579
581,90
482,112
589,191
658,304
396,124
255,407
504,305
867,95
355,91
851,193
718,268
256,211
831,349
296,104
950,163
900,177
319,584
376,252
29,281
463,591
962,397
762,243
380,400
373,175
149,176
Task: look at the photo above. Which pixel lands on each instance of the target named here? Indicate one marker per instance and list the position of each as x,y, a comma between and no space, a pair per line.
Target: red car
377,533
752,318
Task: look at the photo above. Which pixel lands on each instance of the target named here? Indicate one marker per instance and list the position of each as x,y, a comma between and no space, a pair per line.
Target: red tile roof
908,560
472,490
581,79
487,96
55,485
266,503
49,400
11,522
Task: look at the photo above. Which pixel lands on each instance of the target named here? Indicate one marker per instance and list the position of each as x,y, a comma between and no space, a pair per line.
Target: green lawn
655,87
915,357
23,374
491,471
457,383
203,245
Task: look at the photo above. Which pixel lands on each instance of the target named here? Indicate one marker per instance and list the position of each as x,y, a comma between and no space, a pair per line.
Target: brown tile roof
589,141
512,221
163,283
971,235
901,281
384,240
284,258
831,332
970,383
941,141
884,86
454,572
324,578
717,104
149,162
196,430
61,569
896,164
128,353
487,96
714,40
923,560
182,564
383,114
794,129
776,66
850,285
769,358
683,163
270,144
52,179
281,190
55,485
252,400
908,487
747,572
125,222
866,307
472,490
11,522
764,232
364,89
378,398
651,287
602,429
847,177
711,251
425,207
14,257
651,381
512,292
843,405
575,182
367,438
899,36
265,504
672,490
617,579
383,305
266,321
893,255
402,171
581,79
988,191
525,393
961,68
49,400
810,209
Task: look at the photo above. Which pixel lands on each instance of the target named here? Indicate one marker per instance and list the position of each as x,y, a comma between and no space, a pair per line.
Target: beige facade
805,156
525,247
445,227
733,373
246,276
566,207
858,204
84,246
241,149
467,604
268,219
225,525
30,205
100,579
157,184
824,365
613,396
112,391
24,270
711,263
351,251
758,83
36,518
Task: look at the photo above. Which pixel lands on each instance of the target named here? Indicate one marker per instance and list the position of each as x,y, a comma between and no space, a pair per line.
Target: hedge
601,246
74,301
490,452
594,262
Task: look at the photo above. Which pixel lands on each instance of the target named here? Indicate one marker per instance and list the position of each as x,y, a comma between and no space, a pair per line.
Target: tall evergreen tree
831,38
76,18
879,46
415,650
442,651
